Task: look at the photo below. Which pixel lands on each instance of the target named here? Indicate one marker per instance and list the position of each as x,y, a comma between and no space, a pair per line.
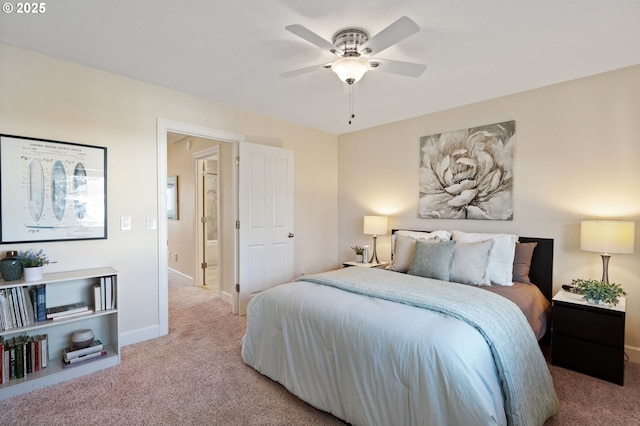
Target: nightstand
588,338
380,265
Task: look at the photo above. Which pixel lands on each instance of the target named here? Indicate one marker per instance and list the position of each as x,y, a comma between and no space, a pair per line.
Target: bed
382,347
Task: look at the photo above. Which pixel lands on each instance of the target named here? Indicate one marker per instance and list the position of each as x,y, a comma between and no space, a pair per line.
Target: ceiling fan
356,50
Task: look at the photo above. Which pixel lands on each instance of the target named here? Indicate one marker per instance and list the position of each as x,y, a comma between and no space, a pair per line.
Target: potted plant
33,262
598,292
359,253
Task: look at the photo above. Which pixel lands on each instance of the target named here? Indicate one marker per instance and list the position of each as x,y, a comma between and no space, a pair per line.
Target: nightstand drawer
592,324
599,361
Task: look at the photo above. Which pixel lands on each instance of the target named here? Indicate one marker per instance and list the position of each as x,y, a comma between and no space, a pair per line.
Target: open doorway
193,238
228,256
199,253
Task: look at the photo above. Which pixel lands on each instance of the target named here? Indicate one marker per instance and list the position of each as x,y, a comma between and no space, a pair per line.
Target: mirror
172,197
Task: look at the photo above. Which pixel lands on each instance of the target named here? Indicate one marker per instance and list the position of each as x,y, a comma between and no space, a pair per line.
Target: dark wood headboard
541,272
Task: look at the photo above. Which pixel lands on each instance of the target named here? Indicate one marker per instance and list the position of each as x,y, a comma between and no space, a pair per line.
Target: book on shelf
71,352
107,292
41,302
6,322
102,293
97,298
22,355
83,359
69,309
16,308
73,315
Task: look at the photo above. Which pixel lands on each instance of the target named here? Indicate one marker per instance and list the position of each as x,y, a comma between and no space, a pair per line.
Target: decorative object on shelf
33,263
598,292
81,339
359,253
33,273
10,266
606,237
375,225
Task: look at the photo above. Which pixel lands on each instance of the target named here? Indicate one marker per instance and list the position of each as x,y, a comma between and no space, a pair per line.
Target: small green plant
358,249
30,259
598,291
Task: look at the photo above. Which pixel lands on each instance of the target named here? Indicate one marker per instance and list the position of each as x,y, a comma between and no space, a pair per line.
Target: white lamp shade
375,225
607,236
350,69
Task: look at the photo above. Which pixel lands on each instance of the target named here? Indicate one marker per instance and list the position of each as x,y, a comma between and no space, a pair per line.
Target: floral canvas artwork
468,174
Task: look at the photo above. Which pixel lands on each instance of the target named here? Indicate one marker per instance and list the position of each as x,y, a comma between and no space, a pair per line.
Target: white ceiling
232,51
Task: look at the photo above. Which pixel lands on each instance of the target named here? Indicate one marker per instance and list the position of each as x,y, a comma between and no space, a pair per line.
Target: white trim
140,335
185,276
164,126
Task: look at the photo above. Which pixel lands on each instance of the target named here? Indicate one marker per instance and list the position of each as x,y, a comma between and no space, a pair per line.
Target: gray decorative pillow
432,259
500,257
470,264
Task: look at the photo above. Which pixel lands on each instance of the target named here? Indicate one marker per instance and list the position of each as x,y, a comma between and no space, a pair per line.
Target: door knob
290,235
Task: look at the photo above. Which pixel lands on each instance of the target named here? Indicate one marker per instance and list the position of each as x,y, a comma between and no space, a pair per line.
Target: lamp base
605,267
374,255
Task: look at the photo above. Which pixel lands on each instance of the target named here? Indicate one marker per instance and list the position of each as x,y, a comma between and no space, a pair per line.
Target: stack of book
104,294
22,355
68,311
22,306
73,356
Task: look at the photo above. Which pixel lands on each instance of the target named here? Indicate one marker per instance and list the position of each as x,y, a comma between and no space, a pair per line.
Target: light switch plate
151,222
125,223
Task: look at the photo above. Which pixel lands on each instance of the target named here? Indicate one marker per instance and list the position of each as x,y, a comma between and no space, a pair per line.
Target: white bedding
371,361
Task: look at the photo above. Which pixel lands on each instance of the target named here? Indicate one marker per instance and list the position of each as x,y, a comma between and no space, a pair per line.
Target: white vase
359,258
33,273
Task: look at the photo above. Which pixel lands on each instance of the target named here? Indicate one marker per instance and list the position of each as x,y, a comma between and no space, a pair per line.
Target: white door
266,220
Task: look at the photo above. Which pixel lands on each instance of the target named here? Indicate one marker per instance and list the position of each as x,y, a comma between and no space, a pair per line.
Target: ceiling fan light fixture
350,69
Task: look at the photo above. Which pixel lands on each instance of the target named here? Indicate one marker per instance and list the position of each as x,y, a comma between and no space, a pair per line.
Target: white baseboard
634,353
226,297
141,335
185,276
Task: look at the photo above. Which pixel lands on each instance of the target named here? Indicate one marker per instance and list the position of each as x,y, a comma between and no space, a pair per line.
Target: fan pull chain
352,114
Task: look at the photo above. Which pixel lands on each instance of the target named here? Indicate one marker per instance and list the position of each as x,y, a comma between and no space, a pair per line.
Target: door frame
163,126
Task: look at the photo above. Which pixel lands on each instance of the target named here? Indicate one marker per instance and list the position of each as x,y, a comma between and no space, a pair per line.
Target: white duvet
371,361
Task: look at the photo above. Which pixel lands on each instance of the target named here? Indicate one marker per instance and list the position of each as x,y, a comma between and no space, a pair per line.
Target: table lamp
375,225
606,237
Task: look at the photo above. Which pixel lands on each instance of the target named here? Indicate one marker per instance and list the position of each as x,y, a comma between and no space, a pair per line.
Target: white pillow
403,246
470,264
500,257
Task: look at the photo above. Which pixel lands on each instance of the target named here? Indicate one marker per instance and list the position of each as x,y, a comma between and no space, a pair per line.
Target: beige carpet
195,376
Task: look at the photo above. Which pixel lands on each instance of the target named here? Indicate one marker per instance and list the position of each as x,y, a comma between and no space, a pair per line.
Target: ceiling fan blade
305,70
408,69
311,37
397,31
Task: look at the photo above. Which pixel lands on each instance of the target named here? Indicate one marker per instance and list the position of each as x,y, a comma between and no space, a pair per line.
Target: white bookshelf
64,288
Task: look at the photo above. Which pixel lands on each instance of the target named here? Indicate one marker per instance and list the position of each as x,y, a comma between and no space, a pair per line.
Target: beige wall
576,157
48,98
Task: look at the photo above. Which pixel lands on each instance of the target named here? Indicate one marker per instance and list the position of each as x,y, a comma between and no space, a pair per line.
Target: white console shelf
64,288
